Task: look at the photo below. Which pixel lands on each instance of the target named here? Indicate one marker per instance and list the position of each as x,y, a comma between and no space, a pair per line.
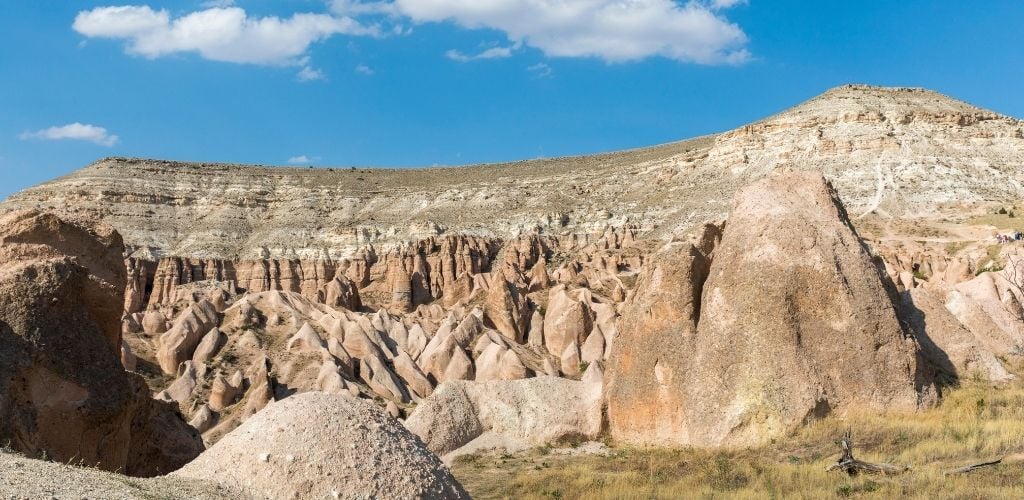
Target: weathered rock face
794,323
63,391
647,388
317,445
32,236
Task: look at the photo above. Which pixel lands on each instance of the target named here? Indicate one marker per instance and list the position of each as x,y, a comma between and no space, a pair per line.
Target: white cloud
359,7
120,22
694,31
74,131
217,3
491,53
613,30
363,69
219,34
726,4
302,160
308,74
540,70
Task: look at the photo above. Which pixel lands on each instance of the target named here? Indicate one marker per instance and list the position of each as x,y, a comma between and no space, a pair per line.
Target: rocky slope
902,152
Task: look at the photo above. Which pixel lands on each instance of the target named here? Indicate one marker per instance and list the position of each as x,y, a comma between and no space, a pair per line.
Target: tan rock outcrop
647,381
794,324
179,342
225,391
209,346
154,322
567,320
945,342
67,394
342,292
181,389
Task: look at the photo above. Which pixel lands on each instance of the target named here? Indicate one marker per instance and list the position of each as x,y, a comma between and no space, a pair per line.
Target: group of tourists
1009,238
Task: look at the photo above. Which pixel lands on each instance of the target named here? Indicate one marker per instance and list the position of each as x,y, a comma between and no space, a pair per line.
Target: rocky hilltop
897,151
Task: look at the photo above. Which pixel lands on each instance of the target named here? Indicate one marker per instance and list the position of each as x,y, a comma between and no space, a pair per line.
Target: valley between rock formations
332,332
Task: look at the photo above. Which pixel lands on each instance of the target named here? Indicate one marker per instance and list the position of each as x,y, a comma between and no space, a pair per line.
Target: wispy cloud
73,131
491,53
726,4
309,74
302,160
540,70
225,34
211,4
363,69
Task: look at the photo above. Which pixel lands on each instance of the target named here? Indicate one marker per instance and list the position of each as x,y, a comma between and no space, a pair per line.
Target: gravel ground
25,478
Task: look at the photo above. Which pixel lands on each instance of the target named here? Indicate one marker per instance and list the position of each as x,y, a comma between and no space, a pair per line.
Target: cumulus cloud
225,34
693,31
74,131
612,30
491,53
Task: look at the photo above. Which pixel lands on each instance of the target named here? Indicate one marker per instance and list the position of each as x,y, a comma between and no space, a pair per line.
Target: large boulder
63,391
318,445
794,323
515,414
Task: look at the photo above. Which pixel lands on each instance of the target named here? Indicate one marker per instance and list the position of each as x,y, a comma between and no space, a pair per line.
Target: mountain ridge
892,151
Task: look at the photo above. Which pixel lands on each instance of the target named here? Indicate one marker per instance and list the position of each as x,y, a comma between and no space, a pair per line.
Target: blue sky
422,82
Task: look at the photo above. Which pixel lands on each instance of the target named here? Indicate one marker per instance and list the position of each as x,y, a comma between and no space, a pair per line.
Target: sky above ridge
421,82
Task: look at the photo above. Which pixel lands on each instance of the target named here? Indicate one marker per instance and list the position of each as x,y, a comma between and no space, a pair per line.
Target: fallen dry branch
973,467
852,466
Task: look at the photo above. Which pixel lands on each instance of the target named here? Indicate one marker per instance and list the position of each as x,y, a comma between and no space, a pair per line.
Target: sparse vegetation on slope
974,423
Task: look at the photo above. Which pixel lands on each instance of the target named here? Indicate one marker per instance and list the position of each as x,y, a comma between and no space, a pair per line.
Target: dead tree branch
852,466
973,467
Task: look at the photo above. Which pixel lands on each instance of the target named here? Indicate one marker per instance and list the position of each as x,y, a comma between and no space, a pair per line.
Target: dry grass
975,422
1000,221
